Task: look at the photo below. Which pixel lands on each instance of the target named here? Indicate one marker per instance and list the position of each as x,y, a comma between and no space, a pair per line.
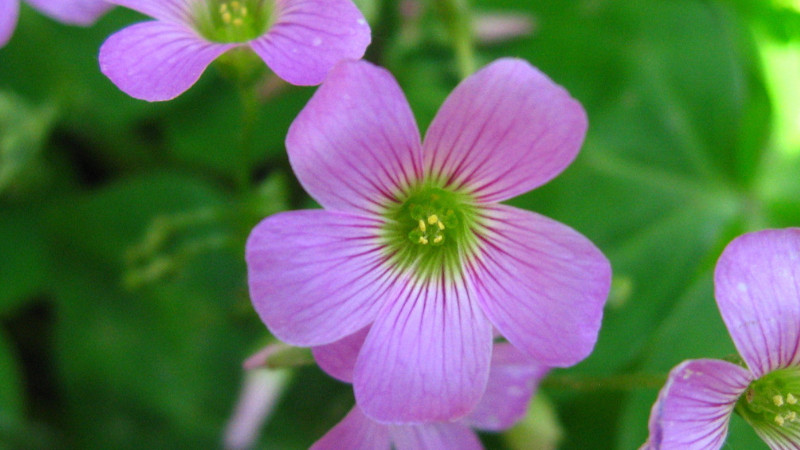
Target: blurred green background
124,315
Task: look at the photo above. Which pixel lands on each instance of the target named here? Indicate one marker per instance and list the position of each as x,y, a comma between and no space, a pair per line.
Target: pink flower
757,286
72,12
412,241
513,378
300,40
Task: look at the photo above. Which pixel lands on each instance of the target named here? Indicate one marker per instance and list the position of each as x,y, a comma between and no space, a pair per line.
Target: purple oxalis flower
71,12
300,40
412,240
757,287
513,378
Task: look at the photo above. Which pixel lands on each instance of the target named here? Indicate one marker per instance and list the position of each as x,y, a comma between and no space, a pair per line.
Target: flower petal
757,286
309,37
176,11
434,436
541,283
426,357
357,432
9,13
355,144
156,61
695,405
317,276
513,378
338,359
503,131
74,12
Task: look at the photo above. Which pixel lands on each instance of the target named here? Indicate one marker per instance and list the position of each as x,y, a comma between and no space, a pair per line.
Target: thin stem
623,382
250,106
456,15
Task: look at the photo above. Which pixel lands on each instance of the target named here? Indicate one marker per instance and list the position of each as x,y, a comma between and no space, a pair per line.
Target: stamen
226,17
778,400
432,219
779,420
438,239
441,225
421,225
423,240
791,416
791,399
223,8
237,22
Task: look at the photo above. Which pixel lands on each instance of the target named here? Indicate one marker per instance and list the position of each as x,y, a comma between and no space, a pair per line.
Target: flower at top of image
757,287
70,12
513,379
299,40
412,239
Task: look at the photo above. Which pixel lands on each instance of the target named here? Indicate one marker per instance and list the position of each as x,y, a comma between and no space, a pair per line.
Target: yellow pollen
226,17
779,420
421,225
432,219
791,399
778,400
423,240
437,239
235,4
223,8
441,225
243,11
791,416
237,21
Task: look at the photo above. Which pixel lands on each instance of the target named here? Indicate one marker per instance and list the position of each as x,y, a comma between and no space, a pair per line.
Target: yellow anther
437,239
226,17
423,240
778,400
441,225
779,420
243,11
223,8
432,219
421,225
791,416
235,4
791,399
237,21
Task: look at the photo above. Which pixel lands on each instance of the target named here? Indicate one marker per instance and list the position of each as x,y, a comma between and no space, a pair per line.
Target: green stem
456,15
623,382
250,106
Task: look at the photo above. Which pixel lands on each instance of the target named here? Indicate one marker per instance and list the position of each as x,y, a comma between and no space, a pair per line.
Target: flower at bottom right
757,288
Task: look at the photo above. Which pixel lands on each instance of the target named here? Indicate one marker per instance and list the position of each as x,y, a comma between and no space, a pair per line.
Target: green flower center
430,230
772,400
228,21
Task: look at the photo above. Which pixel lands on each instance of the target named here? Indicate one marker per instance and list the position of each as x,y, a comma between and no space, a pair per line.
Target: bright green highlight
429,230
772,400
228,21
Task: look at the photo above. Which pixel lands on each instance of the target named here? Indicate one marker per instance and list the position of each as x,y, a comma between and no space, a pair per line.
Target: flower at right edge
757,287
413,241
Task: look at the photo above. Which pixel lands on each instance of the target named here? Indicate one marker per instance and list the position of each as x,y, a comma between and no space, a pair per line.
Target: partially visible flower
261,389
757,286
300,40
513,379
413,241
71,12
494,28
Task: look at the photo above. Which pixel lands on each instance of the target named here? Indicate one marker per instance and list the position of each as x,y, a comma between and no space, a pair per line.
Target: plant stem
456,16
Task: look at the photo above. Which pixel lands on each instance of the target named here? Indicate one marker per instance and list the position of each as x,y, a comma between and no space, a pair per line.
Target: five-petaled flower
300,40
412,240
513,379
757,286
72,12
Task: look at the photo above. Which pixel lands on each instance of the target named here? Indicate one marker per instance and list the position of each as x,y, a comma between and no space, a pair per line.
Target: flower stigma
772,400
429,230
228,21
